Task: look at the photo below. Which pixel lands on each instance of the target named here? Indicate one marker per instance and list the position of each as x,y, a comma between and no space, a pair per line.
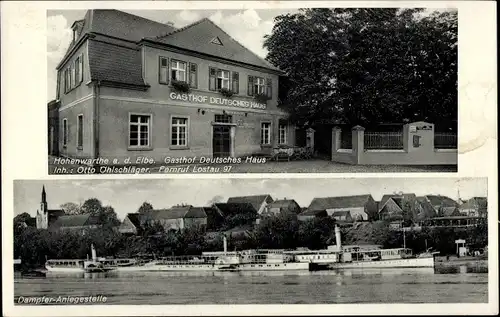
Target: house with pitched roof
311,214
443,206
128,84
285,207
394,206
475,207
361,207
174,218
258,202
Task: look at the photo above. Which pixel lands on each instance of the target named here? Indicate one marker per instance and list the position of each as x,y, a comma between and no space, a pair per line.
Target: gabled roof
338,202
256,200
448,211
135,219
75,221
403,196
231,209
437,200
479,202
199,36
427,208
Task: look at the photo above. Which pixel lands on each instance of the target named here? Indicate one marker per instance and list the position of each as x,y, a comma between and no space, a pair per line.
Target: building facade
150,90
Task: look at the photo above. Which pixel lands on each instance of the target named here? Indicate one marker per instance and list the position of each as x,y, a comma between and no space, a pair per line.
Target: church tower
42,216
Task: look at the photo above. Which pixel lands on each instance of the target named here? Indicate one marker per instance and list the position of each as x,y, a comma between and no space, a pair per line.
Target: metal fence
445,140
346,139
384,140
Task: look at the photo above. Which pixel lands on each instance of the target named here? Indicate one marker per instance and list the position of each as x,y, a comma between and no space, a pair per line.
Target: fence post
358,143
335,139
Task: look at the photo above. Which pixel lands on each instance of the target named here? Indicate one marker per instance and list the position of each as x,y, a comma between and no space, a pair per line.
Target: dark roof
437,200
338,202
198,37
230,209
135,219
428,209
56,212
118,24
283,203
344,213
400,197
448,211
115,64
312,212
255,200
175,212
75,221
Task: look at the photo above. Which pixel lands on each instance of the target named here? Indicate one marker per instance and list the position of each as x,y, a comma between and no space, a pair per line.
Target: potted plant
226,92
180,86
261,97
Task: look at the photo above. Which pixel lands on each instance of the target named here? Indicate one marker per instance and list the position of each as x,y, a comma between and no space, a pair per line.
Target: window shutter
193,75
212,82
250,85
236,82
81,68
163,70
269,88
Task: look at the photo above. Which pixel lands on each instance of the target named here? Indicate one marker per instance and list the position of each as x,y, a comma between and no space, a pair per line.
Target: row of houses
248,211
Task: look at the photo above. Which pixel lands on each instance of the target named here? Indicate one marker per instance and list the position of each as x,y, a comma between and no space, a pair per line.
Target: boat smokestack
94,255
224,243
337,238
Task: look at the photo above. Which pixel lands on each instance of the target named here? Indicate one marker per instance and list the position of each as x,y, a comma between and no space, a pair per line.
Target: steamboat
334,257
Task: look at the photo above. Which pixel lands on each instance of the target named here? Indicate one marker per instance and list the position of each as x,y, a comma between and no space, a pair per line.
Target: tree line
34,246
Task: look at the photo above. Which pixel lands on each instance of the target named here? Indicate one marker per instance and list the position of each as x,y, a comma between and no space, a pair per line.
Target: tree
70,208
91,206
367,65
24,217
145,207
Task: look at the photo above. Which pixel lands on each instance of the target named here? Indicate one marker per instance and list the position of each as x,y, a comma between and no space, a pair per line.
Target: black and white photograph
251,241
301,90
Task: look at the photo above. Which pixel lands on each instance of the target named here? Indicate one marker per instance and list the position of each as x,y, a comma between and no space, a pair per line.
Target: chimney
337,238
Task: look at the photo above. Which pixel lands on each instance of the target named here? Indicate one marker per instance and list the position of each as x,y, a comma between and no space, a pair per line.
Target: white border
23,27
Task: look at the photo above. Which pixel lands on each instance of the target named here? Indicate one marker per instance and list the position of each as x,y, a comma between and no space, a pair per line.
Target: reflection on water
422,285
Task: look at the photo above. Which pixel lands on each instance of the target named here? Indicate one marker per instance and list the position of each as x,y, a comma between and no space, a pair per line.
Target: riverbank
468,261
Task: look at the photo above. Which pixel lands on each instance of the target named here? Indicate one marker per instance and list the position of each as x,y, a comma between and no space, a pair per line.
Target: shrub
180,86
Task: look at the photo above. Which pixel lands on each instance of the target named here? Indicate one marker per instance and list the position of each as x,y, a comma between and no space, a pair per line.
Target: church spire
44,195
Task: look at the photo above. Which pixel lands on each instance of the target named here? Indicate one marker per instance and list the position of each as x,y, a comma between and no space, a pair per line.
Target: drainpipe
95,122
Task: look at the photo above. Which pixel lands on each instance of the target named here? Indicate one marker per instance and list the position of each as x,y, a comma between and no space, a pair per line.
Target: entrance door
222,141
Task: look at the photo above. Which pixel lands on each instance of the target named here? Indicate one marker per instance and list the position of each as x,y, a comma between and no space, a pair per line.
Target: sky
246,26
126,195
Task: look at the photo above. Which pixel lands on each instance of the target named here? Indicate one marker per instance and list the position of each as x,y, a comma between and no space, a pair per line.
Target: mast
404,237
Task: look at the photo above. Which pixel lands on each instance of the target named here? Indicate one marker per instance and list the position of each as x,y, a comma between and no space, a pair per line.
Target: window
223,118
178,70
179,131
139,130
73,80
265,133
163,75
193,75
79,134
282,129
78,70
222,79
259,85
218,79
65,132
68,79
236,83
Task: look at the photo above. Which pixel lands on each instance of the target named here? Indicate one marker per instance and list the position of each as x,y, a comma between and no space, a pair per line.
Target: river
453,285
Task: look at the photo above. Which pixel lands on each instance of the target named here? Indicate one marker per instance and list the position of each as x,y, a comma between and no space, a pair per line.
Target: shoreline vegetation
34,246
